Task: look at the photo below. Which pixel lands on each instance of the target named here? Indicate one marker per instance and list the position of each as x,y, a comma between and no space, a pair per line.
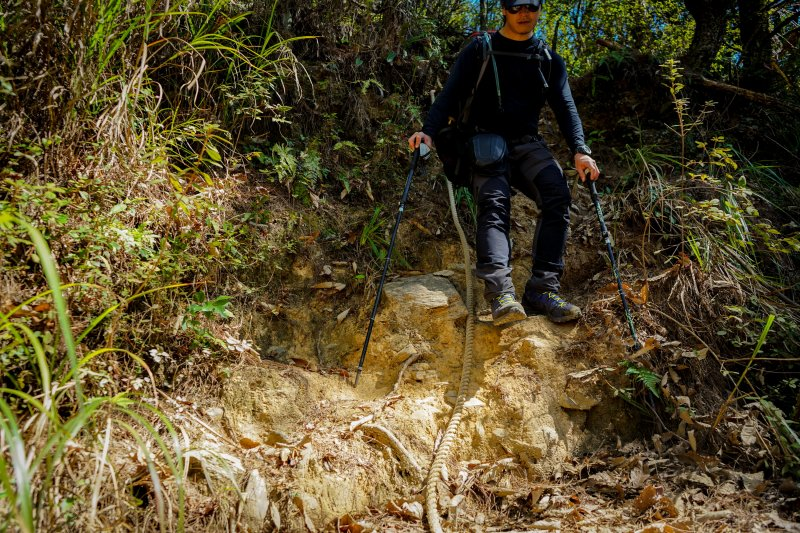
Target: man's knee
554,190
494,204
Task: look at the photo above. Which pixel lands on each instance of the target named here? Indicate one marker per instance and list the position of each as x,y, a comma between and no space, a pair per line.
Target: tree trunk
757,71
482,16
711,21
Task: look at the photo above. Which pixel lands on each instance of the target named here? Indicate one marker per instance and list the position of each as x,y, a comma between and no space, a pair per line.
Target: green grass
41,428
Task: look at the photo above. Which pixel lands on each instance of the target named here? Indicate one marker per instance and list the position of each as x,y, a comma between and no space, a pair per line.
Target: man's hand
586,166
419,138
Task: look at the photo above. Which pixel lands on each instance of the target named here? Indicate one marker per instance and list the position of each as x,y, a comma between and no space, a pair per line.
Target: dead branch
384,435
753,96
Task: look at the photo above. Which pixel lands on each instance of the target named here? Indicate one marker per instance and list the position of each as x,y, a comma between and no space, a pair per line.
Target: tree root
385,436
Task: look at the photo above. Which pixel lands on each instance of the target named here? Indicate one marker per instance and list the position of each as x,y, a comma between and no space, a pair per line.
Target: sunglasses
530,8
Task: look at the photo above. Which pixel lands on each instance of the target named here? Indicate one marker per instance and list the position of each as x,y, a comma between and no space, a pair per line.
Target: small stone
426,375
474,402
524,449
577,401
215,413
408,351
550,435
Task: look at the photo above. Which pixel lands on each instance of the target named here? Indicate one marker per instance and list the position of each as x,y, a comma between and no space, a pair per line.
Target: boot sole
557,320
513,315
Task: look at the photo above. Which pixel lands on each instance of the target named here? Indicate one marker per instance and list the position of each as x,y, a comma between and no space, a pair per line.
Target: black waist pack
452,147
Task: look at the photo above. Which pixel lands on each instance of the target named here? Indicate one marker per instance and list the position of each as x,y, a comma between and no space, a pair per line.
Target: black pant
531,169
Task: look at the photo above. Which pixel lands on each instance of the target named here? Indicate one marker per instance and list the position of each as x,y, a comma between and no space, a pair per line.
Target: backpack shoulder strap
486,53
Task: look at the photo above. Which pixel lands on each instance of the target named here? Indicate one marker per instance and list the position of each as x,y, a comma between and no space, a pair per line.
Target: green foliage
200,312
373,235
716,211
119,159
35,448
301,173
209,308
788,437
463,196
663,29
643,376
711,203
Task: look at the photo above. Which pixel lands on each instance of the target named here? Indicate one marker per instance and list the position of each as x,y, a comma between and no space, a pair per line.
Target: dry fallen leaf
298,501
346,524
638,477
420,227
308,239
302,363
649,345
644,293
749,435
248,444
329,285
692,440
646,499
405,509
275,515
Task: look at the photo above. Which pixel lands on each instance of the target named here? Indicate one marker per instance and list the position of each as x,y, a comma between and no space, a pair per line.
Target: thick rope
442,453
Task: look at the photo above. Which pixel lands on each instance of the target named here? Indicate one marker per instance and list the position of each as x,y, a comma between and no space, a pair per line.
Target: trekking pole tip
358,375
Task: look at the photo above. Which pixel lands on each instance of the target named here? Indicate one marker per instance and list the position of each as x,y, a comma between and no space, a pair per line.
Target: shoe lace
505,299
556,299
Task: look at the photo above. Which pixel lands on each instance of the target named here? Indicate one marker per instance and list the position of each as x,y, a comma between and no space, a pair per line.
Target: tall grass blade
54,282
761,339
18,496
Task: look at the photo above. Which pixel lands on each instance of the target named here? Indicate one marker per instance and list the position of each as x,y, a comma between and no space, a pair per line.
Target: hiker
506,151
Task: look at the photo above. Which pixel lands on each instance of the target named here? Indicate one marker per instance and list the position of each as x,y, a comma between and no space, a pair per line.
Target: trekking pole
423,150
607,238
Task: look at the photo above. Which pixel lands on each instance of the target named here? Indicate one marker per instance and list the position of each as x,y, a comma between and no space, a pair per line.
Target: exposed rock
429,302
577,400
474,403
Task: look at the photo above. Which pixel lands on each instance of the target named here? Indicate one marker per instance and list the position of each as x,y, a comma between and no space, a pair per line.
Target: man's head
521,18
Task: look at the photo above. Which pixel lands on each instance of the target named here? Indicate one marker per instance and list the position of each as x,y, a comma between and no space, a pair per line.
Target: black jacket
522,92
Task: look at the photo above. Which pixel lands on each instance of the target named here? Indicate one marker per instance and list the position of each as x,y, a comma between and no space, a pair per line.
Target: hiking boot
505,309
550,304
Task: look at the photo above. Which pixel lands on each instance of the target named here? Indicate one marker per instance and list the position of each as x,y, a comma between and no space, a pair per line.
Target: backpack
452,141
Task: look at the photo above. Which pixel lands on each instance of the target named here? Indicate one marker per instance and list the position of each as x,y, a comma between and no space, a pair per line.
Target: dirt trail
532,404
547,442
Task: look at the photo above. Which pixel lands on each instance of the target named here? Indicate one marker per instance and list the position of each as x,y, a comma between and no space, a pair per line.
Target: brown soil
548,443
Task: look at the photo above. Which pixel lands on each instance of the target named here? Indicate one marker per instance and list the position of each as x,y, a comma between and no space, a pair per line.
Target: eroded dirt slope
547,441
